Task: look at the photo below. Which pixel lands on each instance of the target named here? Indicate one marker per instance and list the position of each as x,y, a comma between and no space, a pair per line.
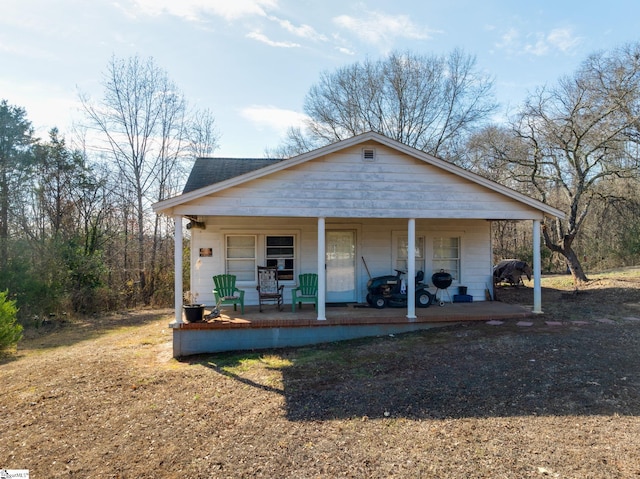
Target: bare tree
568,141
428,102
202,134
140,122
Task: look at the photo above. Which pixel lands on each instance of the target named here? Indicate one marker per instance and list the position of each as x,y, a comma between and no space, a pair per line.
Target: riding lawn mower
391,291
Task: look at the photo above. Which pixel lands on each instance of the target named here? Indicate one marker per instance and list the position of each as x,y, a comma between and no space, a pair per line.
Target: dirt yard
103,398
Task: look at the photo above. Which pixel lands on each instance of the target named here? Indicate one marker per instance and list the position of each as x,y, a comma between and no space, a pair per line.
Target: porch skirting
188,341
255,331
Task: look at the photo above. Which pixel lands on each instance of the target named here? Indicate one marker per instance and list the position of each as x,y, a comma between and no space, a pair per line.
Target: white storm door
341,266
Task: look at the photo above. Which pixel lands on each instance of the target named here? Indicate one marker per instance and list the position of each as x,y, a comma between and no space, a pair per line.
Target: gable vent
368,154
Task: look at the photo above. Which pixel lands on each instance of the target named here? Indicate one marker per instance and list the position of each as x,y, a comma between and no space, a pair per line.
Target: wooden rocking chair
226,291
306,292
268,288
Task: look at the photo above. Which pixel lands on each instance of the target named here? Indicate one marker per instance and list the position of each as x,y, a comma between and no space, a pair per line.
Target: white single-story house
354,209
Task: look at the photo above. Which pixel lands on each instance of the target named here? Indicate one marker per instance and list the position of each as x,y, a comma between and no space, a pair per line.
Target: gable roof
227,181
208,171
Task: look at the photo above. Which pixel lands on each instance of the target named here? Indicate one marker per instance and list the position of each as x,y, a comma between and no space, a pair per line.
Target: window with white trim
240,257
403,250
446,256
280,252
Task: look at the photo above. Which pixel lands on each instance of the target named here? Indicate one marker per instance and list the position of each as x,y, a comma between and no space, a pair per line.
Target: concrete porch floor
357,314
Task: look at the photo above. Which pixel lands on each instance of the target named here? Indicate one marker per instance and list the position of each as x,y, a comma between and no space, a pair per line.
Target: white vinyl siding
341,185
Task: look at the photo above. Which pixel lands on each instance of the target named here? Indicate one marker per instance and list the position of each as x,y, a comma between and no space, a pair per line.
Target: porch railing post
322,272
411,269
537,269
177,242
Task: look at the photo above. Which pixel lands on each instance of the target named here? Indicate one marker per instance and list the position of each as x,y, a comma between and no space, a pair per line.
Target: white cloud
539,43
559,39
46,105
345,51
563,39
261,37
539,48
193,9
378,28
277,119
26,51
509,40
303,31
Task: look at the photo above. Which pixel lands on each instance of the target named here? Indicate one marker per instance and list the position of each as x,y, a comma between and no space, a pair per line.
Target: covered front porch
233,331
348,212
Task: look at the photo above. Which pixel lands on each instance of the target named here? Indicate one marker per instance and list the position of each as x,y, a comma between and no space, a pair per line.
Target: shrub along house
363,206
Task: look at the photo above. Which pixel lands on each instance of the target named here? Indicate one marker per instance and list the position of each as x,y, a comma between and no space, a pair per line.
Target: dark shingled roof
207,171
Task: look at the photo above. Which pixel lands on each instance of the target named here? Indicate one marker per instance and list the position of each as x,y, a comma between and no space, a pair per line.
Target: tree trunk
4,221
141,264
575,267
566,250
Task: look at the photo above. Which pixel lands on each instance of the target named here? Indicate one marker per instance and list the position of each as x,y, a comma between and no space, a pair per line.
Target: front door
341,266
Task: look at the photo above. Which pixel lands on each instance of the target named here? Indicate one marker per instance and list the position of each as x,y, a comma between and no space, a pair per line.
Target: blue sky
252,61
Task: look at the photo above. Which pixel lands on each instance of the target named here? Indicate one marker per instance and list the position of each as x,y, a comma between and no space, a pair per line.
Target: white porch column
322,271
177,242
537,269
411,269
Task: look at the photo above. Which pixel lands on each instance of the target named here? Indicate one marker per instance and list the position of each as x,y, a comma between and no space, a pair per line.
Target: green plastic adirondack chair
226,291
306,291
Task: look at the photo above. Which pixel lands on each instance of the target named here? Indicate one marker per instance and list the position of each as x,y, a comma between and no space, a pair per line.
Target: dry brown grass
103,398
